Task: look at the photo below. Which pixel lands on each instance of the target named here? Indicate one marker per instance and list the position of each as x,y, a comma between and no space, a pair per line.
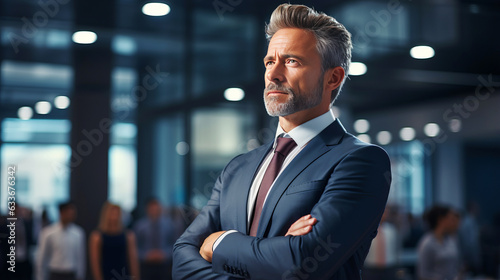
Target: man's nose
276,73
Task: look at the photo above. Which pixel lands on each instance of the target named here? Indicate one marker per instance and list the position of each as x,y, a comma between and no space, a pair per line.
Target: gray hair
333,40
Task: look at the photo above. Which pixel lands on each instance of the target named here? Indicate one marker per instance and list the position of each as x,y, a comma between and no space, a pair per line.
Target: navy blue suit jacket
339,180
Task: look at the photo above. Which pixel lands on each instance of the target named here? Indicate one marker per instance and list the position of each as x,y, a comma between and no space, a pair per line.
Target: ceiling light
357,69
84,37
431,129
364,138
361,126
182,148
234,94
155,9
384,137
25,113
422,52
407,133
61,102
455,125
43,107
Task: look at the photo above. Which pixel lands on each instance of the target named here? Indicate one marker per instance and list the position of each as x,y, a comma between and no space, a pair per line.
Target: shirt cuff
216,243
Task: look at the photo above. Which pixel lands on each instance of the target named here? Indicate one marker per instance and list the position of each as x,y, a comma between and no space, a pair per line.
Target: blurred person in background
469,237
382,259
156,235
112,249
438,252
61,248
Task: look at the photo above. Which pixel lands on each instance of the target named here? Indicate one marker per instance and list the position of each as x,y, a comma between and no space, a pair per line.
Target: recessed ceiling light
422,52
455,125
156,9
431,129
61,102
43,107
357,69
407,133
182,148
384,137
84,37
365,138
25,113
361,126
234,94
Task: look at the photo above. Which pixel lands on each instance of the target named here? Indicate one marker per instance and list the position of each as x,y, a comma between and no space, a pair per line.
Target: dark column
90,112
145,142
188,74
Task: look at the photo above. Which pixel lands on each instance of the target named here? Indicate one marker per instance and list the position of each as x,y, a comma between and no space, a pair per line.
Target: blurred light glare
234,94
124,45
407,133
455,125
61,102
357,69
43,107
361,126
182,148
431,129
84,37
25,113
422,52
156,9
365,138
384,137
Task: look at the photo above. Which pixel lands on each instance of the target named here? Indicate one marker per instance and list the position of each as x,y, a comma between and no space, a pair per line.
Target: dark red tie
283,147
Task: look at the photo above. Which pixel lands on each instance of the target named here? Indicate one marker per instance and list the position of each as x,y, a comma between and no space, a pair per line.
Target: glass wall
38,148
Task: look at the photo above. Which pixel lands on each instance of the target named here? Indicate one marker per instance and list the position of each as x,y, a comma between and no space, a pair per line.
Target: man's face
294,79
68,215
154,209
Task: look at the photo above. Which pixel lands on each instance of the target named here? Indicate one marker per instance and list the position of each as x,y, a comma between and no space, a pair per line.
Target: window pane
123,176
42,176
169,184
218,136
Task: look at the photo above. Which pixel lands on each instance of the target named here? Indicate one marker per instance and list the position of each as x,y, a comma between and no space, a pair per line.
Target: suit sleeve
348,212
187,261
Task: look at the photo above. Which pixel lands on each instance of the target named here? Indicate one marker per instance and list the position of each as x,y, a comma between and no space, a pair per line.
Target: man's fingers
302,226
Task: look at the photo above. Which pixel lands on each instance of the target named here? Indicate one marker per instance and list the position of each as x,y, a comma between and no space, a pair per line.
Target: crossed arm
300,227
347,214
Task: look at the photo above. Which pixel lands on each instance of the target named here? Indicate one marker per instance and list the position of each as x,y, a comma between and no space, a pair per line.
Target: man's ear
333,78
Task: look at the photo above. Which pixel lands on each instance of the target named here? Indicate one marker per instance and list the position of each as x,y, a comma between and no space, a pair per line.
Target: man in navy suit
317,218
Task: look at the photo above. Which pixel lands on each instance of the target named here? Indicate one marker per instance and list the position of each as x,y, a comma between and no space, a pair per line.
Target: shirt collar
303,133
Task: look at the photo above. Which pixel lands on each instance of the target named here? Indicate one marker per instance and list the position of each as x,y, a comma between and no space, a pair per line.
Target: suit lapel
319,145
246,179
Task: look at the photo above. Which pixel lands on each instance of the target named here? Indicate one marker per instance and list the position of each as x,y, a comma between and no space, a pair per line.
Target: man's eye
268,63
292,61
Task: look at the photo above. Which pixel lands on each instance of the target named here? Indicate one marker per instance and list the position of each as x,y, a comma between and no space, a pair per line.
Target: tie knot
285,145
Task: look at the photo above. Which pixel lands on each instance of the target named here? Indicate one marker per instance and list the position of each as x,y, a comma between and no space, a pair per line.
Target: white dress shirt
61,249
301,134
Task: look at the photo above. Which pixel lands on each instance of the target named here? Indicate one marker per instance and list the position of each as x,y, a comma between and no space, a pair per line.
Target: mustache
273,86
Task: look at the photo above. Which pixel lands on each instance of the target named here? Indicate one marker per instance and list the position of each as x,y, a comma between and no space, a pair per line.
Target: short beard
295,103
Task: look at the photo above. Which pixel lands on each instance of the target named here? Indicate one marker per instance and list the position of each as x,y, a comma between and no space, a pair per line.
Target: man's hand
302,226
206,248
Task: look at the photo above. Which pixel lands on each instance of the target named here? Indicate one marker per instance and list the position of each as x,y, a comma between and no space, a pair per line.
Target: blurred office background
154,102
